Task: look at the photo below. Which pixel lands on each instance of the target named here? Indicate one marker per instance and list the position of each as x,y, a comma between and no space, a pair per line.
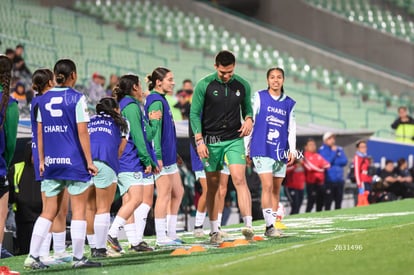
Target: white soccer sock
78,234
268,217
114,230
59,242
101,228
172,226
214,225
91,240
219,217
40,230
45,247
247,221
199,218
131,233
161,228
140,216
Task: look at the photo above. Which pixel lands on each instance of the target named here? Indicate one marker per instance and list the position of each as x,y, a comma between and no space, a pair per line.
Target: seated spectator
20,70
187,85
405,177
19,93
18,58
183,103
403,126
10,53
113,80
96,90
295,185
393,182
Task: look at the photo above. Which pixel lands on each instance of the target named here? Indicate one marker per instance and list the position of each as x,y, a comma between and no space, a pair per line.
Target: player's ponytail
63,70
107,105
125,86
40,80
6,66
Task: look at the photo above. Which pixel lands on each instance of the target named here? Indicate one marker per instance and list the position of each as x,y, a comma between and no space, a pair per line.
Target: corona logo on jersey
51,161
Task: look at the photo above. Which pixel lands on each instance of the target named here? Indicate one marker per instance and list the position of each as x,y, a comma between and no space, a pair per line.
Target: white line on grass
280,250
402,225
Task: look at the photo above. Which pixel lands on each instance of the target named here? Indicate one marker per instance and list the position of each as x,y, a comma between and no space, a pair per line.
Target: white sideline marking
402,225
280,250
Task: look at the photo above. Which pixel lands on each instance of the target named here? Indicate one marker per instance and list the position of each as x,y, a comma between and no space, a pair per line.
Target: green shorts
54,187
200,174
232,149
268,165
128,179
167,170
106,175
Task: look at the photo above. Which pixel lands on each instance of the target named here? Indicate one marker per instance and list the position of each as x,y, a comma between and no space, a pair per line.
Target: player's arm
156,128
133,115
124,140
256,110
10,130
247,112
196,109
82,119
292,137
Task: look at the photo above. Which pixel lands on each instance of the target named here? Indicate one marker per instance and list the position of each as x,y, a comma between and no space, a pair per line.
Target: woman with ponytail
108,131
9,119
170,189
43,81
65,161
273,143
137,165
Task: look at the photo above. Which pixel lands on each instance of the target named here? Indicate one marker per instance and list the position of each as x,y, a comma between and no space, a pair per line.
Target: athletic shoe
248,233
63,257
112,253
5,253
84,262
280,225
198,232
141,247
34,263
215,238
98,253
115,245
177,240
272,232
223,233
50,260
167,242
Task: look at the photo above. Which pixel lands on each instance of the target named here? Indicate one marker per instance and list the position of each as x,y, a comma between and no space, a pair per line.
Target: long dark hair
276,69
158,74
125,86
40,79
6,66
63,69
106,106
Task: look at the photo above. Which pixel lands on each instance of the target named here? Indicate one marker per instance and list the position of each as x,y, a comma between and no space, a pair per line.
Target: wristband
199,142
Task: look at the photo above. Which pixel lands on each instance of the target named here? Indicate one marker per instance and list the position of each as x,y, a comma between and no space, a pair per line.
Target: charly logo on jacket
237,93
215,93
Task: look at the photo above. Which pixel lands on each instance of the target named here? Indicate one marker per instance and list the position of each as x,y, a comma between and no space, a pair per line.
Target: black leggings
315,196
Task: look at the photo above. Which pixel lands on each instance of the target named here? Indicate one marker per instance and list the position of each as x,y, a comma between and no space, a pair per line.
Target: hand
246,127
156,170
179,160
93,170
148,169
334,148
160,165
41,168
291,158
155,115
202,151
248,161
361,190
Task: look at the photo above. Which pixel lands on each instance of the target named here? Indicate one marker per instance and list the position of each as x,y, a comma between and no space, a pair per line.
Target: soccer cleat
63,257
84,263
215,238
141,247
99,253
198,232
50,260
34,263
248,233
167,242
223,233
112,253
272,232
114,244
280,225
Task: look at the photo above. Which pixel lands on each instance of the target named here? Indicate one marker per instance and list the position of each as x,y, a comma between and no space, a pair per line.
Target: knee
238,181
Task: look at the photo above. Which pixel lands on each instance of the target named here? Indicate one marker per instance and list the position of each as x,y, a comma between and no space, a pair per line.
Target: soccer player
170,190
220,97
273,142
9,118
64,161
200,175
137,165
43,81
109,133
